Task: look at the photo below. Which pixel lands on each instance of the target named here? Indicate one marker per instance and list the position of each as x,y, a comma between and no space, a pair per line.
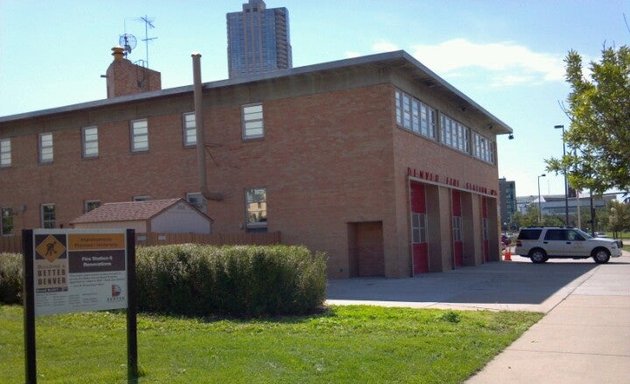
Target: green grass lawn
353,344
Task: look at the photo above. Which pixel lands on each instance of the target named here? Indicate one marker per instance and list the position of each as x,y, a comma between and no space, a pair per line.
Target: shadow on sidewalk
517,282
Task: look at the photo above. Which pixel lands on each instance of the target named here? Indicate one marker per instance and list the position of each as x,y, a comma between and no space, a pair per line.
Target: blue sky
506,55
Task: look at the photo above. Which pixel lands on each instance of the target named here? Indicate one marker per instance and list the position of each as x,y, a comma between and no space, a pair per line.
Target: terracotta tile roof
126,211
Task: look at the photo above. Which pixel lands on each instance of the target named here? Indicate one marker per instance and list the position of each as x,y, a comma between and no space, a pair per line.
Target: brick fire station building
374,160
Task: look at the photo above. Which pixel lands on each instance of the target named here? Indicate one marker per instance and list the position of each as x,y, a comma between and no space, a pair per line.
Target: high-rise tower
258,40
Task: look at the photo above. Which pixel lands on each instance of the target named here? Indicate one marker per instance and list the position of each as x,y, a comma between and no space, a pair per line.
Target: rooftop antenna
128,42
148,22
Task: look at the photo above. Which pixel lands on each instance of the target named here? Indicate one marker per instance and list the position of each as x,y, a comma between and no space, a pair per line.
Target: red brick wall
329,157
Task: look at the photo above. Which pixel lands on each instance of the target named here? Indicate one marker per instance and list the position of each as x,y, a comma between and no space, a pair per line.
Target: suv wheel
538,256
601,255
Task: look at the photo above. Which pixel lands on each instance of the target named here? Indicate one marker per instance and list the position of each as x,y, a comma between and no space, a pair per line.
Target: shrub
244,281
197,280
10,278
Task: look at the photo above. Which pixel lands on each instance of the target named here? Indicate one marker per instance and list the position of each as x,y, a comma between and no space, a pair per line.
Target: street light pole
566,185
539,208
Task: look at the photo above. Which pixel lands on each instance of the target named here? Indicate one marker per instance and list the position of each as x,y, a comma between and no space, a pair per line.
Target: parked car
543,243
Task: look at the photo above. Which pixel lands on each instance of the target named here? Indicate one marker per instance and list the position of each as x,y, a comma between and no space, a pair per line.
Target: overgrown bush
10,278
197,280
243,281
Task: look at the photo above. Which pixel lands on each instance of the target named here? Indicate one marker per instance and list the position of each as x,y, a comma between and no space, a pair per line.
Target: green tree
618,217
530,218
599,134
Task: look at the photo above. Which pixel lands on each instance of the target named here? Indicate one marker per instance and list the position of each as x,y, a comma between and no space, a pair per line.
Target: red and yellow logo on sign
50,249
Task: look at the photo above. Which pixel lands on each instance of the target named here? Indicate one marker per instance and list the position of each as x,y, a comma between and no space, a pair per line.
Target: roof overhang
397,60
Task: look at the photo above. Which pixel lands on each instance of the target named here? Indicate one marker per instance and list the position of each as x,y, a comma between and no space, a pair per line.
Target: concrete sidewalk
583,338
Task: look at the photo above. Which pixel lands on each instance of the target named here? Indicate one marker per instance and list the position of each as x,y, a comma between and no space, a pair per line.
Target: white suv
542,243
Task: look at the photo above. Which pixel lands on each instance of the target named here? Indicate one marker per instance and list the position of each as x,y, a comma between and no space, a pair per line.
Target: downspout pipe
201,147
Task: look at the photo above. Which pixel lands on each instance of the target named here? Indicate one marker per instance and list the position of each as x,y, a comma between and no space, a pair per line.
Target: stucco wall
181,218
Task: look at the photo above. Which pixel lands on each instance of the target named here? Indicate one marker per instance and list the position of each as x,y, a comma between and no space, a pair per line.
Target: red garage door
458,244
419,245
484,228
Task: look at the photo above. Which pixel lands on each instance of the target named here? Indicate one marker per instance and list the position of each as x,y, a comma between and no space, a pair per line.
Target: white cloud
384,46
507,63
378,46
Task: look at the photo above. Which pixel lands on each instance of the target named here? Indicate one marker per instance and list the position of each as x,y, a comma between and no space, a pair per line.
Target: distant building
258,40
554,205
507,201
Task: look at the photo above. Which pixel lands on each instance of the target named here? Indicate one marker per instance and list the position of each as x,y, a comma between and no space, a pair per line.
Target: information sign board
76,270
79,270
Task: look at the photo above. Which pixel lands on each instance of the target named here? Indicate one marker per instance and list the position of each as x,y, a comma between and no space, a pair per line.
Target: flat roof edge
502,128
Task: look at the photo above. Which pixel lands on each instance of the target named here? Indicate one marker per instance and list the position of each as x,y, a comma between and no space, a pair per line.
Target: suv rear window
529,234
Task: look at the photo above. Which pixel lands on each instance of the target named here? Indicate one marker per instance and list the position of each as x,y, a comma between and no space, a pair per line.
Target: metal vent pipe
201,147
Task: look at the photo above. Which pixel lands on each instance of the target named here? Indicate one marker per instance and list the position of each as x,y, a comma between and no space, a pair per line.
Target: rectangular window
406,111
5,153
139,135
457,228
398,108
7,221
48,215
90,141
455,134
141,198
45,147
89,205
190,129
415,116
256,209
418,228
483,148
197,200
253,124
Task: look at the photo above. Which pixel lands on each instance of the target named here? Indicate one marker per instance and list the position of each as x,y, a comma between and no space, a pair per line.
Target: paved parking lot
584,337
517,285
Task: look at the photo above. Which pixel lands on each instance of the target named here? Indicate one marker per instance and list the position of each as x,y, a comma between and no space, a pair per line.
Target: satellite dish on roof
128,42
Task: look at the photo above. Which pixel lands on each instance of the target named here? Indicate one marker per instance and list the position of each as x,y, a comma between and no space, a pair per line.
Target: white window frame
455,134
483,148
253,121
47,222
418,228
415,116
256,218
189,129
457,228
46,148
139,135
89,138
5,153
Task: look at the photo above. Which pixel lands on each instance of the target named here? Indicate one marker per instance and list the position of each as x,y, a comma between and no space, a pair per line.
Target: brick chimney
126,78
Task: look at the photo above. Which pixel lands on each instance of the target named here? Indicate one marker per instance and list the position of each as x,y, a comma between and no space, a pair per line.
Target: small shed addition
163,216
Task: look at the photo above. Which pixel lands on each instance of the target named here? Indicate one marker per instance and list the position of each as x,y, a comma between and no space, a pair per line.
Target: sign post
132,324
76,270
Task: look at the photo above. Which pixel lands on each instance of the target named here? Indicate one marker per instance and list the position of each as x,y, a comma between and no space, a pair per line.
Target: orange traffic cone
507,256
